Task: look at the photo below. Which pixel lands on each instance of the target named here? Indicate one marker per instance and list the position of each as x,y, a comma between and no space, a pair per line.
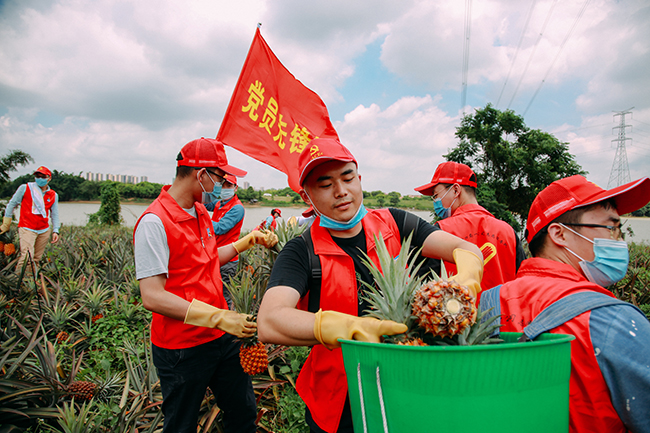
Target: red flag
272,116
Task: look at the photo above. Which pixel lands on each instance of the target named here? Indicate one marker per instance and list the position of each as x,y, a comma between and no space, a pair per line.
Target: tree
381,199
109,210
393,198
9,162
512,162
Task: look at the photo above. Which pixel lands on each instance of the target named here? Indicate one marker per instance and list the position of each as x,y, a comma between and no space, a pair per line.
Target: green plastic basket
507,387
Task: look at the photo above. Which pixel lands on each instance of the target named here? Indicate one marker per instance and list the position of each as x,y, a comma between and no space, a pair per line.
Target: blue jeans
185,375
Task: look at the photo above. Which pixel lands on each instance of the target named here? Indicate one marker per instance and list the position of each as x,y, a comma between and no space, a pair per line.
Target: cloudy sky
118,86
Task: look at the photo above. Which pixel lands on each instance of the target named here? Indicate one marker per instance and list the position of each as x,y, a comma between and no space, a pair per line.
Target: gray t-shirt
151,249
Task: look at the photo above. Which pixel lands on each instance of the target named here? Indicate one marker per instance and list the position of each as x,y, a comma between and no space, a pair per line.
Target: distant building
123,178
245,185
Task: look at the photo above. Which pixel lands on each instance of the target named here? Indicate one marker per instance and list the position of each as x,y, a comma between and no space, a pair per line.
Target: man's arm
56,223
229,220
156,299
440,244
280,322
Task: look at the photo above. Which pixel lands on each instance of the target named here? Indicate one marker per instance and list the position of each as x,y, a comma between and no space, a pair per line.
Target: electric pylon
620,173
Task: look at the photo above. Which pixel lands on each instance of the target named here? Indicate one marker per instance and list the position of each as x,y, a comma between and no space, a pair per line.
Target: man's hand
55,238
201,314
470,270
329,326
266,238
6,224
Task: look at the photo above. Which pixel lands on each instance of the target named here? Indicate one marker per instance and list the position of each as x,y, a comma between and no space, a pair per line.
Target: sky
117,86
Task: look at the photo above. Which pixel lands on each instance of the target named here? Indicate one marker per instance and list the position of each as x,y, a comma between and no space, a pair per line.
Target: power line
539,38
468,23
566,38
514,59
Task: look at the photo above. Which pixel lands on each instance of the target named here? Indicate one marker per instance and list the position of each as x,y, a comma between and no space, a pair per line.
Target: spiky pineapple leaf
396,281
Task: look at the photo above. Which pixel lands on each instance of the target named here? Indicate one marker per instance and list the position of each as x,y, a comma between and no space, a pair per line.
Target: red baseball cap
320,151
575,191
449,172
207,152
309,212
276,210
230,178
43,170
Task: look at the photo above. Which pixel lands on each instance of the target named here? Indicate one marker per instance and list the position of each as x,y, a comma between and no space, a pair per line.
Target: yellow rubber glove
470,270
332,325
201,314
6,223
266,238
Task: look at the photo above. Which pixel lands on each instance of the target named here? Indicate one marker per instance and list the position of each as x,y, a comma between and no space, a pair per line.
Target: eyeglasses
222,179
615,232
434,197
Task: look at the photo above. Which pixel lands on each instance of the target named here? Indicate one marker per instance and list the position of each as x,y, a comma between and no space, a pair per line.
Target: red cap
575,191
449,172
309,212
207,152
320,151
277,210
230,178
43,170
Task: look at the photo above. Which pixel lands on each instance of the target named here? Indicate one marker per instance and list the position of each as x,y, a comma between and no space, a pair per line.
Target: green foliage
635,286
9,162
512,162
643,212
393,198
109,210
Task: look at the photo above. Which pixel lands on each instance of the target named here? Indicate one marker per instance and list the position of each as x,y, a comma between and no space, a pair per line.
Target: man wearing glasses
574,233
453,190
177,261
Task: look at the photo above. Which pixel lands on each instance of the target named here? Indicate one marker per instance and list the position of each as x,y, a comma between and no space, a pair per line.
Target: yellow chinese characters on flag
272,116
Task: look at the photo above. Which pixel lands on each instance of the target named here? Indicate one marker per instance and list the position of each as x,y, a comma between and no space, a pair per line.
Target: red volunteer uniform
322,382
193,271
539,283
231,235
34,221
495,238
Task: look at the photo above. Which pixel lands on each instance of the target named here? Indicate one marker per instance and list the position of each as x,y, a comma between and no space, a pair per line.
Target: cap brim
319,161
233,170
628,197
426,189
309,212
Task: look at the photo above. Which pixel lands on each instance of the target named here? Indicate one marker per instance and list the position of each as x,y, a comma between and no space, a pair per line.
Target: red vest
495,238
34,221
322,382
231,235
193,271
539,283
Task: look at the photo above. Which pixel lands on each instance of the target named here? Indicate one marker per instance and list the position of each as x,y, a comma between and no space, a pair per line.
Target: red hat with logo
449,172
575,191
320,151
207,152
43,170
230,178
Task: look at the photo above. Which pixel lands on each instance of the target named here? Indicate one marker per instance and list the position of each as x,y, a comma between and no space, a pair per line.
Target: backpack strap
567,308
491,300
316,274
409,225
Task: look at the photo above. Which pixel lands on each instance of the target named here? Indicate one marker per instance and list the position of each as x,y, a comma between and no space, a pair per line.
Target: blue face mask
329,223
41,181
227,194
439,209
610,262
209,197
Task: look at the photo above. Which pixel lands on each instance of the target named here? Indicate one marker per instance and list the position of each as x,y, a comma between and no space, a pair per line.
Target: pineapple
395,284
82,390
246,293
9,249
438,312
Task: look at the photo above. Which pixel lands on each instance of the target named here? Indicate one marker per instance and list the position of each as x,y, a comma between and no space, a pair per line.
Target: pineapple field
74,344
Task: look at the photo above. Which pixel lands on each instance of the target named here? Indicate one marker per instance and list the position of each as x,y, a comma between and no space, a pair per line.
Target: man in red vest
177,260
453,189
227,221
342,229
37,202
574,233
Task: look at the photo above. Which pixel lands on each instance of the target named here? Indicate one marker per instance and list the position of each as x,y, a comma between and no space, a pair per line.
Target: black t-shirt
292,267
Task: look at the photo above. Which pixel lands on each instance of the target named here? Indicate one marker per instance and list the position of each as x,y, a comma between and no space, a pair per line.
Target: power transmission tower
620,173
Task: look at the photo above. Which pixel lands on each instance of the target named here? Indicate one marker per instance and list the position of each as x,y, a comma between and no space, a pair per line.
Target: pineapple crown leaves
395,281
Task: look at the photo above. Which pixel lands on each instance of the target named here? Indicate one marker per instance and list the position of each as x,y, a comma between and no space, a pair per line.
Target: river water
77,214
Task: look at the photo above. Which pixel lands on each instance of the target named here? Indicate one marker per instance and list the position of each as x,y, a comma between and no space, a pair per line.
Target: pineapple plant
246,294
437,312
82,390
